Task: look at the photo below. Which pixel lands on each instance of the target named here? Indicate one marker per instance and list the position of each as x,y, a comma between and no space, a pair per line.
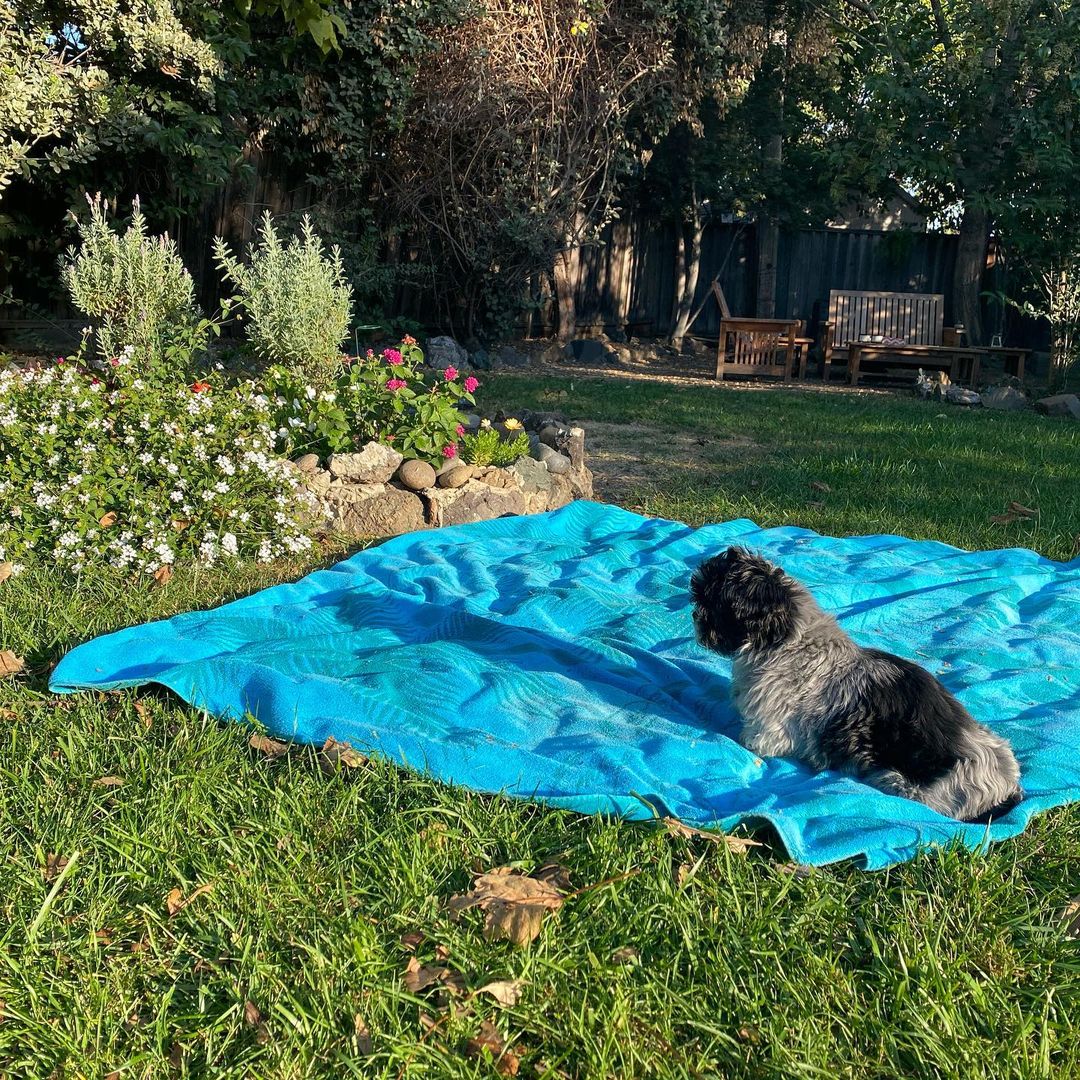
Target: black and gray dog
805,690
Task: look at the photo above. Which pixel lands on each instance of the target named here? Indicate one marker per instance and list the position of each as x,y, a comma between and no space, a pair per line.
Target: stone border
377,493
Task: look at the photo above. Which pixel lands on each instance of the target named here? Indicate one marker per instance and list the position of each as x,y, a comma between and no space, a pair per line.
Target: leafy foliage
488,447
386,398
138,293
138,475
297,300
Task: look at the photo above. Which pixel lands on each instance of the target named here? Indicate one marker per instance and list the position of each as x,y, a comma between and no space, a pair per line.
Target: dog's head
741,599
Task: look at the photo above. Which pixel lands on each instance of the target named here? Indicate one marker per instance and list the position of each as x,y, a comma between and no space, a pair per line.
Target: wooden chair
758,346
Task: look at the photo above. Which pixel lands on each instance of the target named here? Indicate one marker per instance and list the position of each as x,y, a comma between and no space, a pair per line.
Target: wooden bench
898,329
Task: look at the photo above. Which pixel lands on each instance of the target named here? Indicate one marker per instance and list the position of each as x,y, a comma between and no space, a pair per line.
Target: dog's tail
1002,808
991,778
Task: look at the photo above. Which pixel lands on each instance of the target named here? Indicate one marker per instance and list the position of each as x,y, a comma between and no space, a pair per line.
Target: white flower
228,544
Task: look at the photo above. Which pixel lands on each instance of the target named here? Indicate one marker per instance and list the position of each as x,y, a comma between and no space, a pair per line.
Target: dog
805,690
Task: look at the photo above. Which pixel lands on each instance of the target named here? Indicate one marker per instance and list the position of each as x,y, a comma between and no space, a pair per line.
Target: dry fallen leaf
1070,916
8,714
108,781
175,902
1022,510
334,755
163,574
6,570
419,977
143,713
179,524
107,521
409,942
820,485
682,872
271,749
739,844
54,866
103,937
798,870
361,1036
627,954
490,1041
505,992
514,904
813,505
10,664
252,1016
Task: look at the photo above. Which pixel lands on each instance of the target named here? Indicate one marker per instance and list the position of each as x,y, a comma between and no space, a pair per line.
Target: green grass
953,965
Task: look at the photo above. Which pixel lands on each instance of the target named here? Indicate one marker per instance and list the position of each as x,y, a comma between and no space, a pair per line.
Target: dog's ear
764,606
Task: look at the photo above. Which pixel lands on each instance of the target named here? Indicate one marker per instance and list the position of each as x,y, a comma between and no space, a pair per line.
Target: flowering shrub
137,293
114,470
384,397
297,299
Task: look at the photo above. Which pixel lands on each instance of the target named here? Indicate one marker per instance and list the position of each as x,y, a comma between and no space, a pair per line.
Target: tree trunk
768,241
689,278
564,294
968,273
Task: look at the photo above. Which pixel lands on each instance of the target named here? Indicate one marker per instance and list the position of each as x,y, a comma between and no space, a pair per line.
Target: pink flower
408,339
392,356
396,384
449,451
371,352
450,374
115,361
59,359
460,429
470,385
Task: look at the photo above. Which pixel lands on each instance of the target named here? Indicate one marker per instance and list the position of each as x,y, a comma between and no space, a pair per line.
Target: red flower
449,451
59,359
396,384
470,385
199,387
450,374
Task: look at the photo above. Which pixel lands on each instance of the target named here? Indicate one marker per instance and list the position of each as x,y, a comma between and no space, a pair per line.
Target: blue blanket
552,658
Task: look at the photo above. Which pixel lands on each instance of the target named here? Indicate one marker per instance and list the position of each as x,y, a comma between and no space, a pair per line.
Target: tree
973,102
523,124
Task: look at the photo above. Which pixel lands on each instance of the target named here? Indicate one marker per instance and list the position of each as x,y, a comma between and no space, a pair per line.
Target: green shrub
297,300
137,294
488,447
140,476
383,397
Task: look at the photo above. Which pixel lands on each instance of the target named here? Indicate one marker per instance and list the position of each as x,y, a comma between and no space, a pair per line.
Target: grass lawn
693,960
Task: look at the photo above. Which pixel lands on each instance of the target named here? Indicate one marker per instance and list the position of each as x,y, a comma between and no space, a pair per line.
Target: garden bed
377,492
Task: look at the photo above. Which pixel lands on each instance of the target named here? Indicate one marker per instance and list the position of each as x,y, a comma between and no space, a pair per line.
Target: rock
1007,398
534,446
309,463
496,477
375,464
562,492
474,502
320,481
556,463
588,351
472,422
509,357
551,353
416,475
445,352
533,475
575,447
481,360
957,395
1060,405
618,334
537,421
359,511
456,477
550,435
